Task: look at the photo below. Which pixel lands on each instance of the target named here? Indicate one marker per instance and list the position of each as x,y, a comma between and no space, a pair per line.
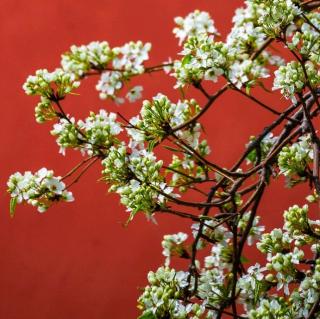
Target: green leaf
248,88
257,291
186,59
148,315
172,149
252,156
13,204
151,145
244,259
131,217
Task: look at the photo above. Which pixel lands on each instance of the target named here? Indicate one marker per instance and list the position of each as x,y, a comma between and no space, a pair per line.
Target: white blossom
134,93
194,23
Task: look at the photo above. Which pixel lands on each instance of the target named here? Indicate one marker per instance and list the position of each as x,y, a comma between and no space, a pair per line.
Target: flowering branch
225,220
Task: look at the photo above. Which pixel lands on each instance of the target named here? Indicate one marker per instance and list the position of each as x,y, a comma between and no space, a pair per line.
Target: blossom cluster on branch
219,281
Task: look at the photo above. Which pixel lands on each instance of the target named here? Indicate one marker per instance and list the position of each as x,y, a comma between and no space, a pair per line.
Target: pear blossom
40,189
134,93
194,23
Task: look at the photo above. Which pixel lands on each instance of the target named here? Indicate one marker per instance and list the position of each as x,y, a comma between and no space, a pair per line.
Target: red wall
77,260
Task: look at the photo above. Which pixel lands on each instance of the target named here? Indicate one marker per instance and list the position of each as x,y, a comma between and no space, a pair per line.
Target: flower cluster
307,40
160,116
81,59
110,82
285,266
68,136
136,178
246,35
127,62
294,159
160,298
251,285
117,66
131,56
277,15
44,111
96,134
100,131
214,231
274,242
221,253
273,307
246,73
41,189
300,227
51,85
291,80
203,59
194,24
206,59
174,245
212,288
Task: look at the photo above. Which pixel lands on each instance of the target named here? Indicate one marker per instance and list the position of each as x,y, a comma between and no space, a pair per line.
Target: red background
77,260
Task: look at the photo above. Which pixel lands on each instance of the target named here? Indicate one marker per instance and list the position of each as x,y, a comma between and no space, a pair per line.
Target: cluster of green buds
160,298
274,242
100,130
277,15
137,178
291,80
294,159
68,134
296,220
284,264
138,197
307,41
116,169
95,135
159,116
41,189
51,85
275,307
301,228
44,111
